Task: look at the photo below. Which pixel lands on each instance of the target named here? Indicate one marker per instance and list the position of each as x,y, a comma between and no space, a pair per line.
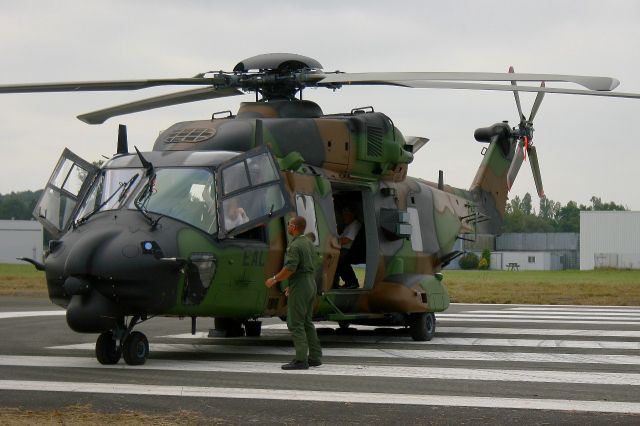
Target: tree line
18,205
521,216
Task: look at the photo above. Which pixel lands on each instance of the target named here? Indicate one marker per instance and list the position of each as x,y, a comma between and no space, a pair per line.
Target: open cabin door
67,185
251,192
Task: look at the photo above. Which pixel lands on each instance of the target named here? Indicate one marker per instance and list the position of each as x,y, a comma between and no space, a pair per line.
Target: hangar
610,239
20,238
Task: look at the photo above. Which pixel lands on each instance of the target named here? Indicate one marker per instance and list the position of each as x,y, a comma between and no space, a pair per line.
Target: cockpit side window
234,178
67,185
252,192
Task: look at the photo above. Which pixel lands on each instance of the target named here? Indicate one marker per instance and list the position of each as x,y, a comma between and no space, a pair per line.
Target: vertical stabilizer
490,187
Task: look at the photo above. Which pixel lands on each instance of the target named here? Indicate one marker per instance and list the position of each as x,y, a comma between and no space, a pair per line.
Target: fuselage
169,240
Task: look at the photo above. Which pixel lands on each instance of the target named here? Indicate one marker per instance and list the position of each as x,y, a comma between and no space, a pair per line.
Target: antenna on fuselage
123,146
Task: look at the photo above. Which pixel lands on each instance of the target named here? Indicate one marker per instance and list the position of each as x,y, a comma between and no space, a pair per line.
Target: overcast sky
587,146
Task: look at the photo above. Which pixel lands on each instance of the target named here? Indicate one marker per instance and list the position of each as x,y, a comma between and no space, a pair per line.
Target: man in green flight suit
299,269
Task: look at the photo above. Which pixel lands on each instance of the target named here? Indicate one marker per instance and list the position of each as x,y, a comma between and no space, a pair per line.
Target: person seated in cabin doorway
344,270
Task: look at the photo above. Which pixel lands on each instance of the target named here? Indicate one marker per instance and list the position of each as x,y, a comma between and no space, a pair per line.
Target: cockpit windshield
186,194
110,190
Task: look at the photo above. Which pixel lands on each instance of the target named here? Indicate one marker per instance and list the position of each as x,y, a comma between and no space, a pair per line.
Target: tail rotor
524,147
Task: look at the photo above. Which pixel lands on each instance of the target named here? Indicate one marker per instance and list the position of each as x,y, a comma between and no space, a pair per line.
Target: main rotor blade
514,168
102,86
508,88
536,104
535,168
100,116
591,83
516,95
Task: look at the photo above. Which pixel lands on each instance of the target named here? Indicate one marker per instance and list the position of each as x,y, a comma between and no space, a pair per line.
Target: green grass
21,280
601,287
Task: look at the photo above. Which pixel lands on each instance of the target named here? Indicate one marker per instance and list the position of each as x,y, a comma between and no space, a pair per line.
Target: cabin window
305,207
532,259
416,233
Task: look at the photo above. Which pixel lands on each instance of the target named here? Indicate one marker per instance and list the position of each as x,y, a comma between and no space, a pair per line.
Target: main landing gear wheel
253,328
422,326
108,352
135,348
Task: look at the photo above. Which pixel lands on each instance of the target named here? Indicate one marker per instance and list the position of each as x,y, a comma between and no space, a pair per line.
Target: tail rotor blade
514,168
536,104
516,95
535,168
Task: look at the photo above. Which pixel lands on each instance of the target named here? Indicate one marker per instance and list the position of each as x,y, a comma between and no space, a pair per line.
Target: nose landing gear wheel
107,351
135,348
422,326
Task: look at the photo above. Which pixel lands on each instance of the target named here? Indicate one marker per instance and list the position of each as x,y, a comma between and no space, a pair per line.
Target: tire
422,326
253,328
107,352
344,325
135,349
228,327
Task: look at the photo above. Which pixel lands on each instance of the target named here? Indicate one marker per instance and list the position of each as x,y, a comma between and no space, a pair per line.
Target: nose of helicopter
111,268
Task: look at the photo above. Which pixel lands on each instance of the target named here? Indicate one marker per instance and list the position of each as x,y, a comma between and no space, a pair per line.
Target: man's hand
270,282
286,291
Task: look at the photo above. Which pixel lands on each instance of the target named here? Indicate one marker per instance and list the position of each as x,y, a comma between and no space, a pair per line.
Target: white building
610,239
525,261
20,238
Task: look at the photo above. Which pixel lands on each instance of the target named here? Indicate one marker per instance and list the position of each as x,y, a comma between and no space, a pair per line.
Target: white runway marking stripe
475,330
539,331
25,314
609,310
392,353
332,396
501,314
331,369
475,318
464,341
535,314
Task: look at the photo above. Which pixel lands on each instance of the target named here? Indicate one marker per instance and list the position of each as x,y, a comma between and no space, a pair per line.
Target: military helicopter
195,226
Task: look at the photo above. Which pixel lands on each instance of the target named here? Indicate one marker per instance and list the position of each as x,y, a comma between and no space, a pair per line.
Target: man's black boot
314,362
296,365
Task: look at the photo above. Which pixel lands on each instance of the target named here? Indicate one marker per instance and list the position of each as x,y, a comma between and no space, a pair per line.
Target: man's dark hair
300,223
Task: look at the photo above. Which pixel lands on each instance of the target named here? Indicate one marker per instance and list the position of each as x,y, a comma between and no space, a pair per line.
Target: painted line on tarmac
515,319
323,396
540,331
331,369
288,351
537,321
473,330
469,341
25,314
613,311
529,305
543,313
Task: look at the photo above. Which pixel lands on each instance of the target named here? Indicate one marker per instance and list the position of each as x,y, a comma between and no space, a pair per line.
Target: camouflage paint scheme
359,153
